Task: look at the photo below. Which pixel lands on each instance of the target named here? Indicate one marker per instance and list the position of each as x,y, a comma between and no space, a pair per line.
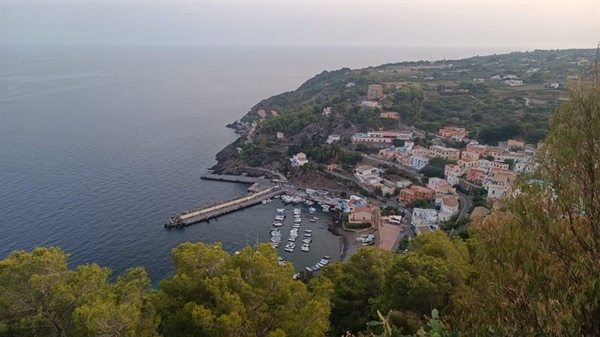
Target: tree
536,257
248,294
40,296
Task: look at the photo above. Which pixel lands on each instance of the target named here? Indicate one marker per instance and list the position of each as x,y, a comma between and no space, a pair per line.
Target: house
402,183
451,132
280,135
474,147
476,175
369,104
428,78
389,114
350,84
469,155
496,192
365,172
444,152
478,80
511,77
327,111
452,173
424,220
420,151
386,137
299,159
496,77
449,207
262,113
374,91
361,214
274,113
499,165
417,162
333,167
416,192
467,163
511,145
554,85
388,153
514,83
333,138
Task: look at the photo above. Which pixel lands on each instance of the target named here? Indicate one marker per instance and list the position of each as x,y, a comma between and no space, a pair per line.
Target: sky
542,24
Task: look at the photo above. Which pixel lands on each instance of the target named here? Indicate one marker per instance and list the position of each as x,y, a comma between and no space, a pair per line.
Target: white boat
267,201
309,269
297,211
297,220
305,248
308,235
312,220
307,240
308,230
280,217
277,224
280,211
311,210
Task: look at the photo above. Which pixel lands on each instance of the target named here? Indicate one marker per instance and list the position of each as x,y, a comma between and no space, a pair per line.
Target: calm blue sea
100,145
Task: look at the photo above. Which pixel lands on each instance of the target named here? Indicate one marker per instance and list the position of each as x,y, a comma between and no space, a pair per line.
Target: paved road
465,203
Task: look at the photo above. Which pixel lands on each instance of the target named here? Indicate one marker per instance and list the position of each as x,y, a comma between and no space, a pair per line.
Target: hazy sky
525,24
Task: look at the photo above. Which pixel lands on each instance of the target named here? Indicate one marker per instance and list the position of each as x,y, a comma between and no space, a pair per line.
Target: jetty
210,212
257,184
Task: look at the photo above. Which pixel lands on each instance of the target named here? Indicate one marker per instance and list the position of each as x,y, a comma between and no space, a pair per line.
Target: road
465,204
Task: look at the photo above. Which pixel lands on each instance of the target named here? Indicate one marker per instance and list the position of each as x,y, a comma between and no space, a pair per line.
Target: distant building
478,80
416,192
389,114
299,159
514,83
451,132
349,84
280,135
262,113
333,138
361,214
369,104
332,167
375,91
327,111
418,162
363,173
444,152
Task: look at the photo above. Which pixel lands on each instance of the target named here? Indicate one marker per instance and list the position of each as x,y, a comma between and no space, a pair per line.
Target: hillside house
416,192
299,159
361,214
444,152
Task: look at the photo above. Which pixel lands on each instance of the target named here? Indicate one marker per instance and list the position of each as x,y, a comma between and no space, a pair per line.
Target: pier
257,184
213,211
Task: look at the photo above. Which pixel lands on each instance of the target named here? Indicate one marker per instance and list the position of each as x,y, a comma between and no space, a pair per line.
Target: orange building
415,193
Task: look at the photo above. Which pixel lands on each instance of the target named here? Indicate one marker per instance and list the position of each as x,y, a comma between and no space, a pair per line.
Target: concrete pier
213,211
258,184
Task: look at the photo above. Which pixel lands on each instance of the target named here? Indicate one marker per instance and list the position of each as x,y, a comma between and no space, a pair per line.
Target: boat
312,220
307,240
305,248
311,210
277,224
267,201
297,220
280,211
309,269
321,226
308,230
280,217
326,257
297,211
288,249
308,235
309,202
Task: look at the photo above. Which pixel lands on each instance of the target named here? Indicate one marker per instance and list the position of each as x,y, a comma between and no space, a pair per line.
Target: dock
213,211
257,184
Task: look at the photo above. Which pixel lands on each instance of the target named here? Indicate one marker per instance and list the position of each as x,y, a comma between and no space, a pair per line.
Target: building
511,145
402,183
327,111
467,163
349,84
374,91
333,167
469,155
389,114
449,207
444,152
369,104
385,137
474,147
514,83
365,172
262,113
299,159
451,132
417,162
333,138
280,135
416,192
424,220
476,175
361,214
452,173
496,192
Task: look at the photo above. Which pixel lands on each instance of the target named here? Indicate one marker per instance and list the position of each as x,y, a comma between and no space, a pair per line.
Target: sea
100,144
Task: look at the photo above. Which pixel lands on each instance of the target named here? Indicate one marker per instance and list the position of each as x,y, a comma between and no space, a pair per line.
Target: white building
369,104
417,162
424,220
299,159
327,111
449,207
333,138
366,173
514,83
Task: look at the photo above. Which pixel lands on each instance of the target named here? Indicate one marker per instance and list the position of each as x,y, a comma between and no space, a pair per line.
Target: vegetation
531,268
